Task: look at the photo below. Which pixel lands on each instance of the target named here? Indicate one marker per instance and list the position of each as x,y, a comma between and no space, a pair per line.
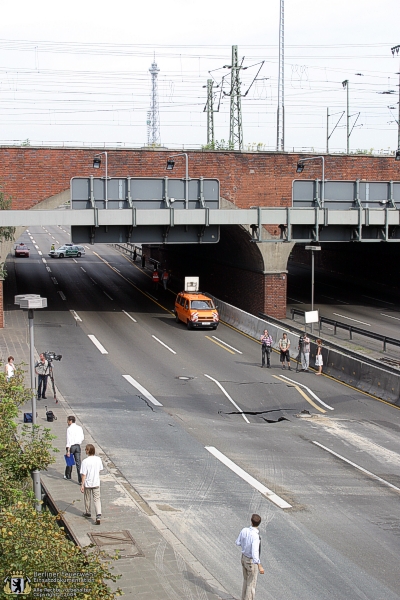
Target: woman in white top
10,368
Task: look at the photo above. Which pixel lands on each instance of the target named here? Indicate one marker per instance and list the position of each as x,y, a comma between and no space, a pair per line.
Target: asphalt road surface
207,437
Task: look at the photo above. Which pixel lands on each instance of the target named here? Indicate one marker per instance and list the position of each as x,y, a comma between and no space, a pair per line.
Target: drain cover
109,542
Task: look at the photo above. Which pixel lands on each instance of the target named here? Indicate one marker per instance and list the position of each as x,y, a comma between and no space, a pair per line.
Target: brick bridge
252,276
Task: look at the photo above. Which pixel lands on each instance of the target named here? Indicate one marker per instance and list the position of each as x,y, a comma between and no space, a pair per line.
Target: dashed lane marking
162,344
218,344
75,315
142,390
96,342
128,315
257,485
223,390
298,388
309,391
225,344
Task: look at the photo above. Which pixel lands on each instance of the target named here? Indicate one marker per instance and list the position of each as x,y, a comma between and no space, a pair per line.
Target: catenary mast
153,119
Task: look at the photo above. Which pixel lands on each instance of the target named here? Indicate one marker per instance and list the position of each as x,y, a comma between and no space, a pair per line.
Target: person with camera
42,371
304,351
266,348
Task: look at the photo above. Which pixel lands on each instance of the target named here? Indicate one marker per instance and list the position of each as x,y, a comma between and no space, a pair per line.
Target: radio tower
280,125
153,118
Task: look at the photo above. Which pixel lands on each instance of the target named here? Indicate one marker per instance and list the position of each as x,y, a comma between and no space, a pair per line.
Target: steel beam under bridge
295,224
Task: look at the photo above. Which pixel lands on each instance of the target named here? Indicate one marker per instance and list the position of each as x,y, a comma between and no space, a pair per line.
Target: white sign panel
191,284
311,316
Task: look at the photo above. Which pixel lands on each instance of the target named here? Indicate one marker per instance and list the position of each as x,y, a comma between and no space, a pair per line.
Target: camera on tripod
50,356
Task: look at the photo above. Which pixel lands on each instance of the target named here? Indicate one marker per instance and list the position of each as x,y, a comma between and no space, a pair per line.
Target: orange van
196,310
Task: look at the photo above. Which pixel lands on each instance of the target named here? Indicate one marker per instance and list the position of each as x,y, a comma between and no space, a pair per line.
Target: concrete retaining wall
365,376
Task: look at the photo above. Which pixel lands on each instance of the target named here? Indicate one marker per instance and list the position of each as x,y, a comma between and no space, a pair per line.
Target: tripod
53,383
298,358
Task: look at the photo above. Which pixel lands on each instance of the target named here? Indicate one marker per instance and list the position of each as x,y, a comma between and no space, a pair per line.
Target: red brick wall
30,175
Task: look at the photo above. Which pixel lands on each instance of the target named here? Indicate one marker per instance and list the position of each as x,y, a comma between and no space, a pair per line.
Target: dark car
21,250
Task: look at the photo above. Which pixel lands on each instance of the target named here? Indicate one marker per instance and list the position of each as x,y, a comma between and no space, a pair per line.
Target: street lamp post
96,165
313,249
30,302
170,166
300,169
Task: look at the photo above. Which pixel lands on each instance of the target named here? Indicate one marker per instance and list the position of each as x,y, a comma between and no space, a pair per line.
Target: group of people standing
284,351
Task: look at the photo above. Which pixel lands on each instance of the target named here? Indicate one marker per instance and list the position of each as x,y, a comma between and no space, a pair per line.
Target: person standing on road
250,542
266,348
75,438
284,345
165,278
318,358
42,371
10,369
304,350
90,486
156,278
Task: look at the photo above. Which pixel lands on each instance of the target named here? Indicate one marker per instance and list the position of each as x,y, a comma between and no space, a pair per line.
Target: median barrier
366,375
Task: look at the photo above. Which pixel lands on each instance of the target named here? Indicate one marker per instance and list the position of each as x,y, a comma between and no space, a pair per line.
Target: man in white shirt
90,486
75,438
250,542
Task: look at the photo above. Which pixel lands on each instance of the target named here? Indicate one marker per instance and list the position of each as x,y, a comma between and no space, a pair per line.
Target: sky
77,73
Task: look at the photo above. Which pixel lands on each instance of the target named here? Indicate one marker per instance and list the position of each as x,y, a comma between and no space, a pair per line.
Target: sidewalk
154,564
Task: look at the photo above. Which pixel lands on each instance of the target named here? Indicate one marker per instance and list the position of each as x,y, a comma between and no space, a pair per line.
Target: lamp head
170,164
96,162
300,167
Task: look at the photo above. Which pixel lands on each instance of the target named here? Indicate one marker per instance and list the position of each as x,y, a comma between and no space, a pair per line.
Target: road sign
140,194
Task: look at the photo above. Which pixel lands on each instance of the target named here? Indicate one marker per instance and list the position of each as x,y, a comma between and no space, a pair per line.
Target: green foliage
218,145
6,233
32,542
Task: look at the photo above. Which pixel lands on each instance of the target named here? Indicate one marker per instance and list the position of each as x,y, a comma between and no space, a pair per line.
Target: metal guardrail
134,251
351,329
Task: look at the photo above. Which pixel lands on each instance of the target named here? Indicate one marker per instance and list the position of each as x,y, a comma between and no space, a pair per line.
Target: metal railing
351,329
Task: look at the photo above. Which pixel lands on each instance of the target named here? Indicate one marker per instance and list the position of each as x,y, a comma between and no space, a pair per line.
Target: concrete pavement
154,564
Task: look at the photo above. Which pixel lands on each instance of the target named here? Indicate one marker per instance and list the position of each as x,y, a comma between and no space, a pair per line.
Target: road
207,437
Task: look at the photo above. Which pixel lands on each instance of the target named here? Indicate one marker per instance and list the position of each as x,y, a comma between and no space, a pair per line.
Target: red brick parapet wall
30,175
247,179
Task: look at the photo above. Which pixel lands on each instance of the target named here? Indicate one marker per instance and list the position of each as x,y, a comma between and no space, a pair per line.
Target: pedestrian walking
156,278
90,486
10,369
143,260
284,345
304,351
42,371
250,542
75,438
318,358
266,348
134,254
165,278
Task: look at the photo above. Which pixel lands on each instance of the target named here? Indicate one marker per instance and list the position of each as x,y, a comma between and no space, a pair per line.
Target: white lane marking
151,296
128,315
83,269
48,269
54,280
39,252
75,261
225,344
257,485
37,247
62,295
33,241
324,296
87,247
228,396
294,300
390,317
44,260
142,390
355,320
377,299
96,342
57,241
358,467
309,391
162,344
93,280
53,237
107,294
115,269
75,315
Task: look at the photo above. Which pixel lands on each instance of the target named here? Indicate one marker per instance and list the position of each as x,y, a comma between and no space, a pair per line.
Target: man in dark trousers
75,438
42,371
250,542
